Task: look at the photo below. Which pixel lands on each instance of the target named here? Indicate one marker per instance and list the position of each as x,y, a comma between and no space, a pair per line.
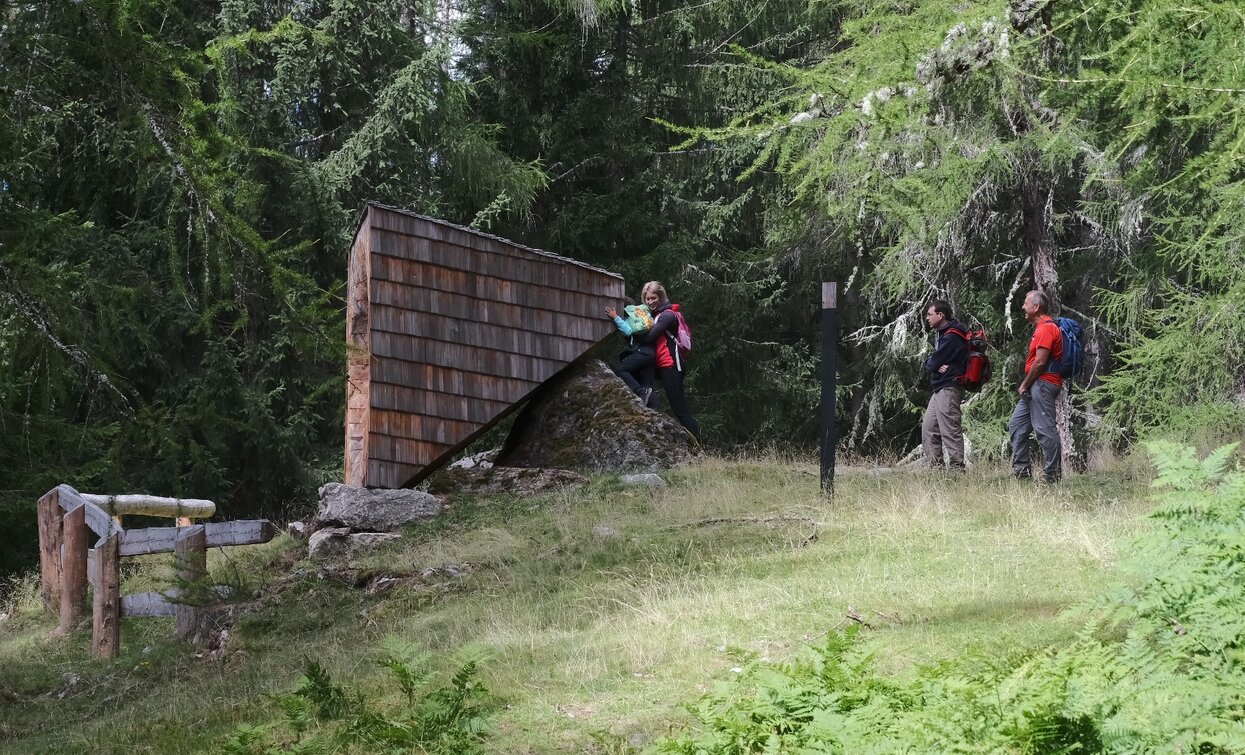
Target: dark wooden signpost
829,437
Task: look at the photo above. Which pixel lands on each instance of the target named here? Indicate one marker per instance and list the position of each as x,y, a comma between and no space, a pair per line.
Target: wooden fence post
51,536
73,568
106,609
190,553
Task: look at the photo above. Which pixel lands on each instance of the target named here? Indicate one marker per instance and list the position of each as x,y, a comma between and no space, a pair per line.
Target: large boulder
365,510
588,420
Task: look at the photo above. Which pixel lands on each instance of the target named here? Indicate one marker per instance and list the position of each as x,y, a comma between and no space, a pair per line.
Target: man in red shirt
1038,391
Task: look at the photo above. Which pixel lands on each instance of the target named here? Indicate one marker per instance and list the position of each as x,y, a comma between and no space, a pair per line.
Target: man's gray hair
1039,299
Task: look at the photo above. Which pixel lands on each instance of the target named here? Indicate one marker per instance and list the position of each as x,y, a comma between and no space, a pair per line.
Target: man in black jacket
941,427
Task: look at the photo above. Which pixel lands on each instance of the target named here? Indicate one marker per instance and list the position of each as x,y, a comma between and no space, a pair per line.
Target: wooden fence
68,562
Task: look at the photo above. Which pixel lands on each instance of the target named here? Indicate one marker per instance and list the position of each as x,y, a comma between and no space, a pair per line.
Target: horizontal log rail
151,505
68,563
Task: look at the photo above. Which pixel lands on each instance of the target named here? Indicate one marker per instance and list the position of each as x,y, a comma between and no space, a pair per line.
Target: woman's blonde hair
656,288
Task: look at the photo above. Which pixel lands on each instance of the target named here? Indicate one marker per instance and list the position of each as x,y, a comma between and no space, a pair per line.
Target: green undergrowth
1156,665
592,616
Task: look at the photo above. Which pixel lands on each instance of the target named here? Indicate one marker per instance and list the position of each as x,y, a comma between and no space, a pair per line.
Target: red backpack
978,371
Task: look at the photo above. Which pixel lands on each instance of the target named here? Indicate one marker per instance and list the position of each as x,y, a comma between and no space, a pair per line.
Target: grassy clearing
598,613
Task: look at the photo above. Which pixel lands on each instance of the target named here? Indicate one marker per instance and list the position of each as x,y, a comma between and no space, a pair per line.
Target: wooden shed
448,330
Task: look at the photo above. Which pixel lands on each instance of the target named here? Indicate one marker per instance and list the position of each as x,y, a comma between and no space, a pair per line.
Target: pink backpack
684,335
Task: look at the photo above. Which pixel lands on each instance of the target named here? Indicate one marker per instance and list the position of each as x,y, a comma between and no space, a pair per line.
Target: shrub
322,717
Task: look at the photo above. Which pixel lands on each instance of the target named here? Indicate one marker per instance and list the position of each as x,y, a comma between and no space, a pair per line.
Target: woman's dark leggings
636,370
672,381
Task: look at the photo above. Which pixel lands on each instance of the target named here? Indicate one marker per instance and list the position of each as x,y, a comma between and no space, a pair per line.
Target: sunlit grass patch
606,608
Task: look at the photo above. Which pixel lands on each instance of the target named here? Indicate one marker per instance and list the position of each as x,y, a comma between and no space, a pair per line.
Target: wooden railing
68,562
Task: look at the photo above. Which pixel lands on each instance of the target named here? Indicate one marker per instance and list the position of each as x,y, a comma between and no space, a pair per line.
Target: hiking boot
646,397
1022,474
1048,480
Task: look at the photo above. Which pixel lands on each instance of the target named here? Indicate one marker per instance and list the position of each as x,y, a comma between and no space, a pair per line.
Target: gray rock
297,530
365,541
328,542
604,532
647,480
482,460
588,421
367,510
448,570
515,481
338,542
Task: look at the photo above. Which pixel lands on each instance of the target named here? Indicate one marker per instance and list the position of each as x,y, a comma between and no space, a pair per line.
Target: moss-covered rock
588,420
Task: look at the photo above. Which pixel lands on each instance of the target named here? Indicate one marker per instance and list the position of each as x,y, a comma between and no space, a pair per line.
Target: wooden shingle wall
447,330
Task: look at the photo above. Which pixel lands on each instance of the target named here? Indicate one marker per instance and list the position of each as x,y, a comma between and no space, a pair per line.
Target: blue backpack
1072,362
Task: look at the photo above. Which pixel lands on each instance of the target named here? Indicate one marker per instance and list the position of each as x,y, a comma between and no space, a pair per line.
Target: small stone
483,460
605,532
297,530
647,480
327,542
365,541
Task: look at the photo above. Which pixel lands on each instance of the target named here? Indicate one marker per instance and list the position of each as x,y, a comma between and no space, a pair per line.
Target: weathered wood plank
390,474
160,602
395,398
98,520
467,308
190,553
106,606
499,363
358,358
571,299
484,335
219,534
73,568
151,505
149,603
453,380
502,260
51,538
422,451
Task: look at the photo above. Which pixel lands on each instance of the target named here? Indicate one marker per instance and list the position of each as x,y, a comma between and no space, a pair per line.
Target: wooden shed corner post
358,356
51,538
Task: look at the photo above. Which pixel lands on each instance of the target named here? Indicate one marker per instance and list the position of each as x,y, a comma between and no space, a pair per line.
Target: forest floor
596,615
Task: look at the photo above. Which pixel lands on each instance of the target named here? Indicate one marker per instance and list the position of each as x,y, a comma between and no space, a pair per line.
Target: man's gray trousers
1036,413
942,427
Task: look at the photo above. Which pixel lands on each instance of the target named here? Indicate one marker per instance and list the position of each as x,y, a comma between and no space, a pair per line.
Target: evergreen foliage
1157,666
179,182
177,188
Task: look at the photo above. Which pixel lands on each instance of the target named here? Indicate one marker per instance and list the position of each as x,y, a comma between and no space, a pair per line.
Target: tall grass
599,612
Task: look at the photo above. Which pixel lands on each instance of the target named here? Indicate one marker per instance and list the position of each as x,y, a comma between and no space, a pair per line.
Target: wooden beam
160,602
73,568
106,608
219,534
151,505
96,518
149,603
51,537
190,552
